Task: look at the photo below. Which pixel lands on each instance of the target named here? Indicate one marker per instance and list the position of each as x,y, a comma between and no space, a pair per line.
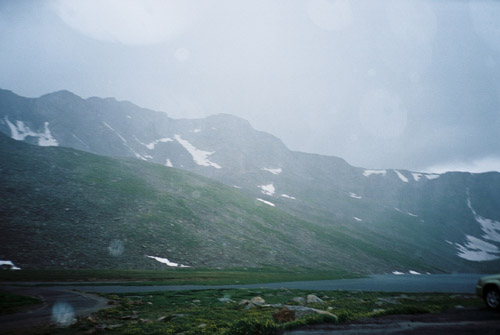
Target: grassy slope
67,209
12,303
173,276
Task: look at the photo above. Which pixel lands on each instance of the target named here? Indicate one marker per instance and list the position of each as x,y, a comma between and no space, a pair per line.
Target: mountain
64,208
376,220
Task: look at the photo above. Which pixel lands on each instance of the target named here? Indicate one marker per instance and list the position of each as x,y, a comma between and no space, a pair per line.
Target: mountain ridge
382,207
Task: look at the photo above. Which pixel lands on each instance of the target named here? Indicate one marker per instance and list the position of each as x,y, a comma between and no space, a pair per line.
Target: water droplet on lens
116,248
63,314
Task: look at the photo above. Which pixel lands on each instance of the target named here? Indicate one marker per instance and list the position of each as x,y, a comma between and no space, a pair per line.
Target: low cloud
127,22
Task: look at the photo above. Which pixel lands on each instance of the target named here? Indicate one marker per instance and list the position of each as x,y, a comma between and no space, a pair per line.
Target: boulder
299,300
284,315
225,299
257,301
311,298
301,311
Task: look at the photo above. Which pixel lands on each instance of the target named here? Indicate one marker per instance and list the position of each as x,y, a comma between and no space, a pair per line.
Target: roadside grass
180,276
220,311
12,303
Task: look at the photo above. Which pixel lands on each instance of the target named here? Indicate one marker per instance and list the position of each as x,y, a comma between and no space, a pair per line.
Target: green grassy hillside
63,208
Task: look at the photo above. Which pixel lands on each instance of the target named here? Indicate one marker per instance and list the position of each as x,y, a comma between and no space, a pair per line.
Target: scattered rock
225,299
299,300
257,301
91,331
311,298
250,306
202,325
196,301
145,320
378,310
284,315
390,301
301,311
130,317
91,319
243,302
150,303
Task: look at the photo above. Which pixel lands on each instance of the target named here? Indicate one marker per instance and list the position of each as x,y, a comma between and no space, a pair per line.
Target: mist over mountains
215,192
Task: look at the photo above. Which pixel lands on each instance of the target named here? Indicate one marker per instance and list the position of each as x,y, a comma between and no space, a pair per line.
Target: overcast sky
383,84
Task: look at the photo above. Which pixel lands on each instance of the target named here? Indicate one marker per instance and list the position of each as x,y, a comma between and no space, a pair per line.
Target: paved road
458,283
59,306
457,322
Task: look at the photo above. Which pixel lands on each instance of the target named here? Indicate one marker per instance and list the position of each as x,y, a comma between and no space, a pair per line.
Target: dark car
488,288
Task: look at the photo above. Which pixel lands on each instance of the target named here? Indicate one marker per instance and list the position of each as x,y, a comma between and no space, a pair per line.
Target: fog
383,84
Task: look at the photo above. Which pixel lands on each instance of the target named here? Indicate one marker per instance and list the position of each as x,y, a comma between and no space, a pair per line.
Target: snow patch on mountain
200,157
407,213
20,131
475,249
152,145
168,163
357,219
355,196
167,262
118,134
287,196
80,140
413,272
9,263
368,173
266,202
273,171
124,142
417,176
490,227
432,176
397,273
401,176
267,189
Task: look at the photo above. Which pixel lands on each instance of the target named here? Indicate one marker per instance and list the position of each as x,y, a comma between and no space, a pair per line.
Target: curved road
85,303
59,305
